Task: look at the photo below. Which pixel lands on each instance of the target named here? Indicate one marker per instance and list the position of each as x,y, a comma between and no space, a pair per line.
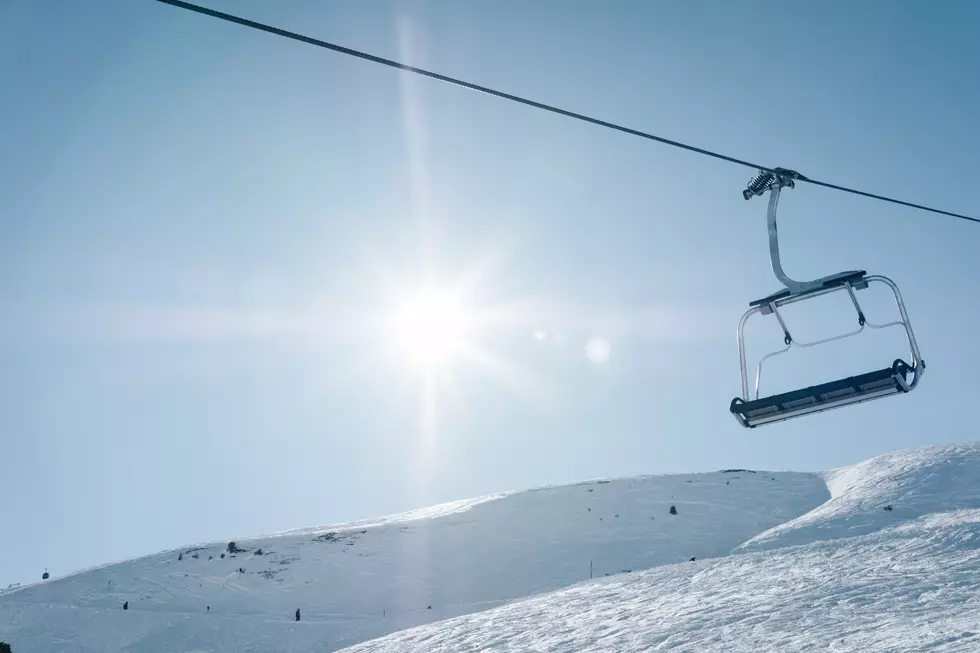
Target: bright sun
430,326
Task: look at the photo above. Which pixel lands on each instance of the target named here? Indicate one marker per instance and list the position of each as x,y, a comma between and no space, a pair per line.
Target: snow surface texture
852,576
915,483
794,562
911,587
364,580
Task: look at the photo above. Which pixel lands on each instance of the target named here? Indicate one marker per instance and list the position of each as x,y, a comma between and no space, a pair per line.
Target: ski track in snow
785,561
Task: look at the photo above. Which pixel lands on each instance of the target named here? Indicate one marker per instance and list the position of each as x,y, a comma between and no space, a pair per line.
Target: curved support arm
777,266
774,181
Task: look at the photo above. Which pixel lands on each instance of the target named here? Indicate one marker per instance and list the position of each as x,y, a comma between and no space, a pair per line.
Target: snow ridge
883,491
890,563
883,555
361,580
910,587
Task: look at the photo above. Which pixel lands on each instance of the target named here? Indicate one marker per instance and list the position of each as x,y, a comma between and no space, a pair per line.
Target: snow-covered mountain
890,563
911,587
882,555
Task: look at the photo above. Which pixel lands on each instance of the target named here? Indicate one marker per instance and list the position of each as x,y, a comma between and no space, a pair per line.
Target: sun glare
430,326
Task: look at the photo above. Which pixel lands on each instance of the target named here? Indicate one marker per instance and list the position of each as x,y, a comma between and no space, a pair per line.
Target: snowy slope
848,576
914,483
911,587
364,580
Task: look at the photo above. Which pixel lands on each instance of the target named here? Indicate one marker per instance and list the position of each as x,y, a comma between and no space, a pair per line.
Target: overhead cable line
532,103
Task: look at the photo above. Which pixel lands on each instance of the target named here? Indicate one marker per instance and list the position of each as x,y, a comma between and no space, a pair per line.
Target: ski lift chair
898,378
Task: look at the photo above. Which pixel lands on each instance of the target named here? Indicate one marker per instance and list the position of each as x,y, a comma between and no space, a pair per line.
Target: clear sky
205,231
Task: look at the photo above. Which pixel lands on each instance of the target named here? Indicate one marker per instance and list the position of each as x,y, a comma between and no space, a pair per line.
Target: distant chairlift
899,377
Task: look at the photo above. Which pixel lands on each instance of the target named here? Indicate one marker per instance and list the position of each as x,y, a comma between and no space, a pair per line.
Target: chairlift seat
854,389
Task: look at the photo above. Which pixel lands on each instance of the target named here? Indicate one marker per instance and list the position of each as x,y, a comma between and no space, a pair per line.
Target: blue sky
202,228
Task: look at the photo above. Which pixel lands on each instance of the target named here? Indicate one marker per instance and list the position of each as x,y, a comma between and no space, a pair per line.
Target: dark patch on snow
334,536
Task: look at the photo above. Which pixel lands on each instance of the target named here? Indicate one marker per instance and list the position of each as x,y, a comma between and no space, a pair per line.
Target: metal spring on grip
759,184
